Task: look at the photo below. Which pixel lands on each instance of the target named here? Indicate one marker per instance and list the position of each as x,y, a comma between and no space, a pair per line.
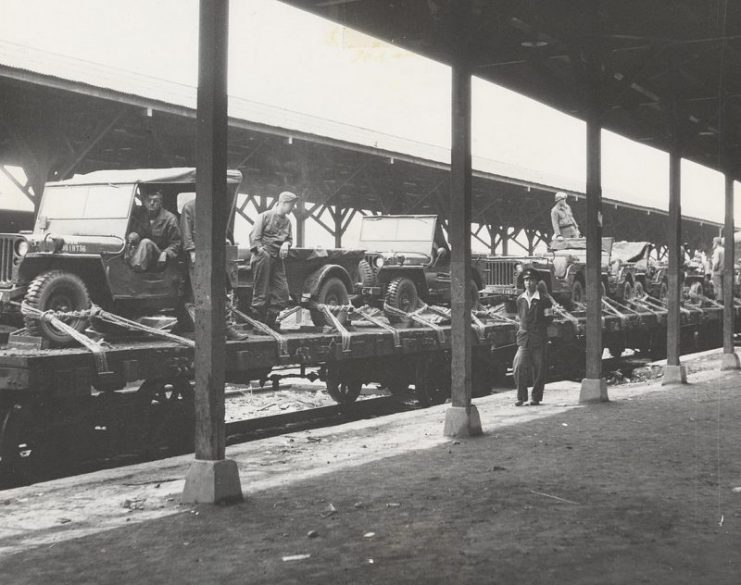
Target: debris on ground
301,557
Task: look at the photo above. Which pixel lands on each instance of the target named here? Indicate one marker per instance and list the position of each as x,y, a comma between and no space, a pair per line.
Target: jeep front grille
7,246
499,272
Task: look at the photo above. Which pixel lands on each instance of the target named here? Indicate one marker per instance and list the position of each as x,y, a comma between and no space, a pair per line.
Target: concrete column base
212,482
730,361
462,422
593,390
674,375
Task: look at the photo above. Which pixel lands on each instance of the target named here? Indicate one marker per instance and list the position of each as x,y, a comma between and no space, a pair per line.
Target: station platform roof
83,116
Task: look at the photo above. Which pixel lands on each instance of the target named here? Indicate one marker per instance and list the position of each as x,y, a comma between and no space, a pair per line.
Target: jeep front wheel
58,291
332,292
402,294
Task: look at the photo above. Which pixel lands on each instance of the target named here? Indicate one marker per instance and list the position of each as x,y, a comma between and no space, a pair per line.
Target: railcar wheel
332,292
342,390
29,452
167,414
432,381
56,290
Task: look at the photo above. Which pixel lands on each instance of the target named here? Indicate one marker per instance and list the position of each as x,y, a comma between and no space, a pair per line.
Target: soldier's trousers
270,286
569,231
530,363
144,257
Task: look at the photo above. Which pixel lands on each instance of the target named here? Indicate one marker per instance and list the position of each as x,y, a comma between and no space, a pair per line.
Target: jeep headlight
518,268
21,248
380,262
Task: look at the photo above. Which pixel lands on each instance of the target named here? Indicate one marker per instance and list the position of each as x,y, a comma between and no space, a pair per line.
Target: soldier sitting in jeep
155,236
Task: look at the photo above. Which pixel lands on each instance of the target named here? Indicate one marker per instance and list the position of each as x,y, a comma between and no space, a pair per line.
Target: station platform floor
643,489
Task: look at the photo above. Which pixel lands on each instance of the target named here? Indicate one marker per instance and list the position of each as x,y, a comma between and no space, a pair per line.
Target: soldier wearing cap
535,311
270,241
562,218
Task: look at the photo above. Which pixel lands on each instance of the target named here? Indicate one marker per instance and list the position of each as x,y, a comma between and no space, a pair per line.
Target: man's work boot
271,320
233,335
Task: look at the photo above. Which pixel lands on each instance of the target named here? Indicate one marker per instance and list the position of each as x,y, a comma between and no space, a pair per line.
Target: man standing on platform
270,241
562,218
535,311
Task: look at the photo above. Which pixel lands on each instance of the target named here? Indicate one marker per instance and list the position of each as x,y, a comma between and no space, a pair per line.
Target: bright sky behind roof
288,58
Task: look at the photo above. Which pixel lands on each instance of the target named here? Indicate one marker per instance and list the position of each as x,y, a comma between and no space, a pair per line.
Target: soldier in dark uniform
188,229
534,311
562,219
270,241
155,236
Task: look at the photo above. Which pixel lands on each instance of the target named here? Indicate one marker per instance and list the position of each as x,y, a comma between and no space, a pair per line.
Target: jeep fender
314,281
89,268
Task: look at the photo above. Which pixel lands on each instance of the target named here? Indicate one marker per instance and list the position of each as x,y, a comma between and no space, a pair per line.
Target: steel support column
674,372
462,418
211,478
730,358
593,387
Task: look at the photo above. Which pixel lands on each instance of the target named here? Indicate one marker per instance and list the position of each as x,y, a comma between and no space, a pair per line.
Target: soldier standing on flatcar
562,218
535,311
270,240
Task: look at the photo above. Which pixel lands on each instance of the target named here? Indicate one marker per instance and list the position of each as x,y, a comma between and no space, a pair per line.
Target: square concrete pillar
730,361
462,422
674,375
593,390
212,482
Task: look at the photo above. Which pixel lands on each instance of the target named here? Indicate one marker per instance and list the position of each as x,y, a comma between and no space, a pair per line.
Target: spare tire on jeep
56,290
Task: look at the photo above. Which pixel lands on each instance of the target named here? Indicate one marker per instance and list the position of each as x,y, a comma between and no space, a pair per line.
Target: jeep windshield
85,210
401,234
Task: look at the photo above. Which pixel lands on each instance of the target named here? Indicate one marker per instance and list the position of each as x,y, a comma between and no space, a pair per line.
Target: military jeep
75,253
562,269
650,275
407,261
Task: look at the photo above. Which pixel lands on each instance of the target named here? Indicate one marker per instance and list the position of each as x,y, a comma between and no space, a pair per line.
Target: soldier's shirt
271,231
163,230
562,217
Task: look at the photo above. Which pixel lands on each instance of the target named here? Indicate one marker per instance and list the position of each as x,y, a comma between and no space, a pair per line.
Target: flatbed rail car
57,404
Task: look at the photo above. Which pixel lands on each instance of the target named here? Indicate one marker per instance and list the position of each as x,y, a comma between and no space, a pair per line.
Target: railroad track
238,431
